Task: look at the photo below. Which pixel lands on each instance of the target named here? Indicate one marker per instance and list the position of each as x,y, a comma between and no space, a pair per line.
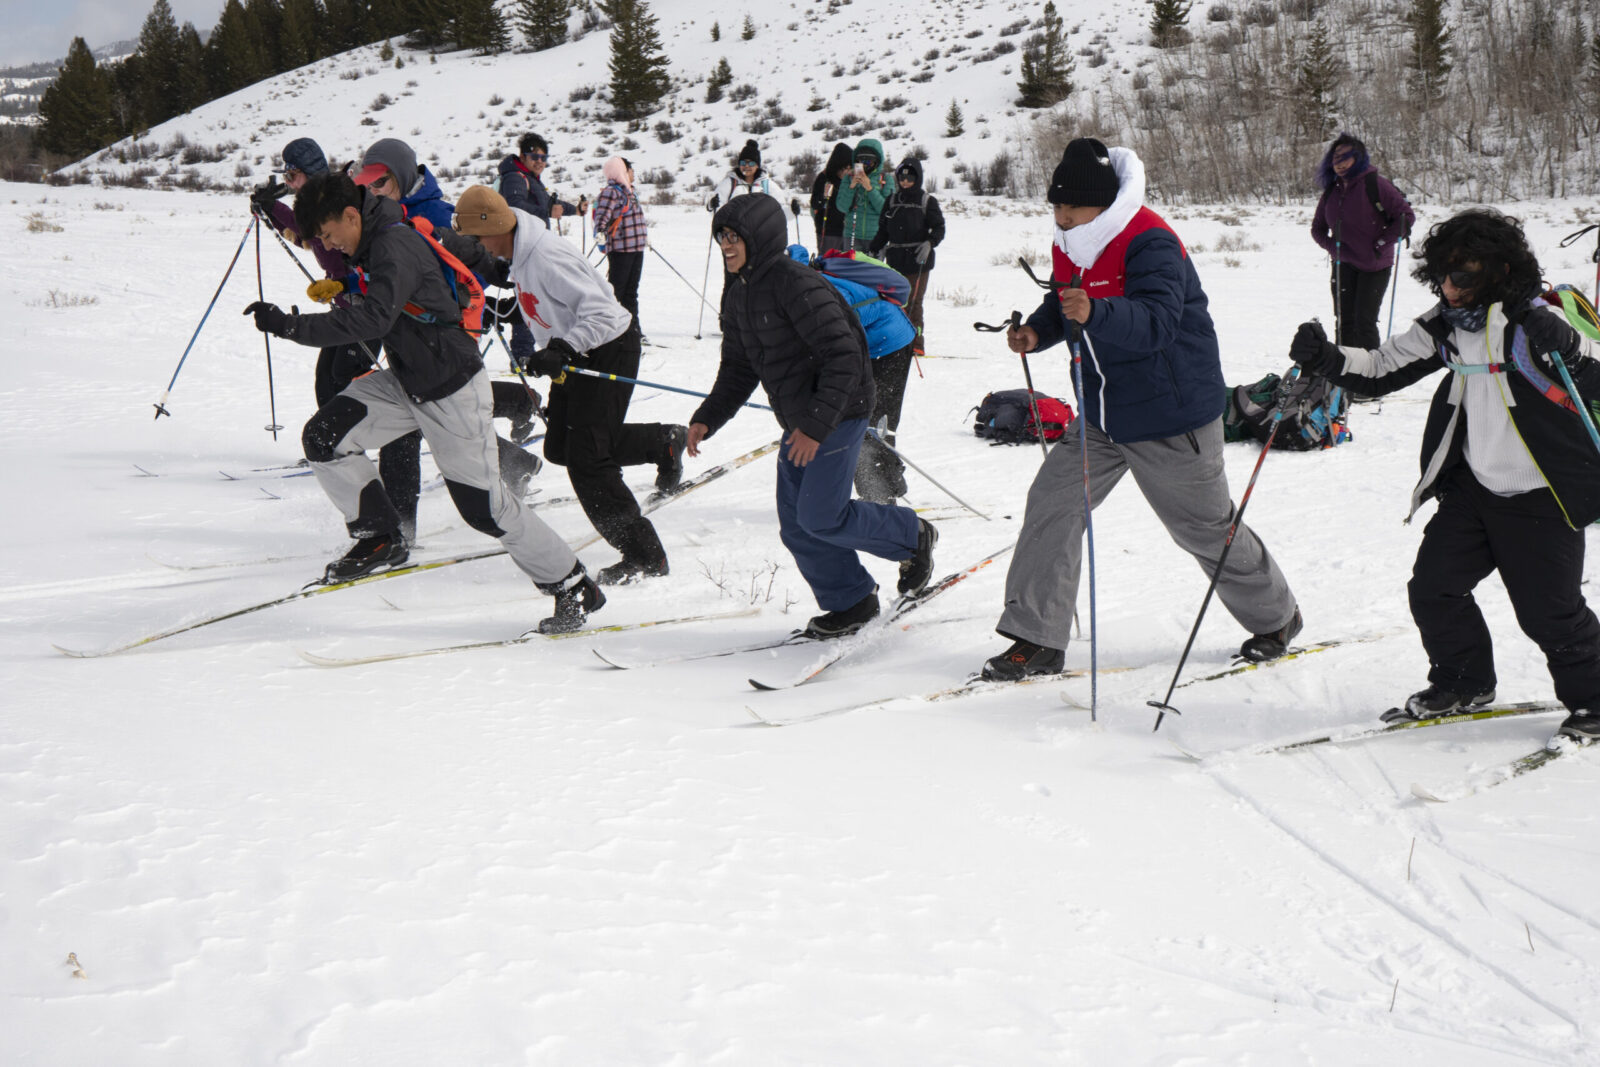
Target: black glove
1314,352
551,360
270,318
1549,332
503,307
794,205
263,196
716,202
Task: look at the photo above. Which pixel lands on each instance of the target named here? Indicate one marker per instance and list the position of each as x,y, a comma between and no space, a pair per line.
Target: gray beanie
394,155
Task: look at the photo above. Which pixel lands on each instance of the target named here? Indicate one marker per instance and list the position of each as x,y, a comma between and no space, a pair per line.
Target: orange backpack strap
466,283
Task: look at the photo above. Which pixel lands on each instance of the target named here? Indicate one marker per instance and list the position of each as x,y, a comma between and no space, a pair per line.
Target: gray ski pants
1183,480
374,410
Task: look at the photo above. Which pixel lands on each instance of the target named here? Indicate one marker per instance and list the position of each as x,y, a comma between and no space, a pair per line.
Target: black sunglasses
1462,279
537,155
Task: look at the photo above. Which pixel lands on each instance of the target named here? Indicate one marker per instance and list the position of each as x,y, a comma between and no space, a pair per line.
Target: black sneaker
577,597
626,571
1583,726
366,556
916,571
846,621
1435,701
669,472
1022,659
1263,647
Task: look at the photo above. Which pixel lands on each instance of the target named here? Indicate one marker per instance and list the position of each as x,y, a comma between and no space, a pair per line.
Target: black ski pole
1572,238
705,279
704,302
1164,705
161,405
266,339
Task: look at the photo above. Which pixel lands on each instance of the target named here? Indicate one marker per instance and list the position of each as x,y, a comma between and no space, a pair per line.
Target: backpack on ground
862,269
1314,415
1006,417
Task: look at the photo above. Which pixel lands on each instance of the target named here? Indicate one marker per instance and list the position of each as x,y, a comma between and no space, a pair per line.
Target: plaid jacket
619,219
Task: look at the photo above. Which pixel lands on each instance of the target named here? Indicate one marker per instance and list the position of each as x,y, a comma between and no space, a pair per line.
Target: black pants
1540,560
880,476
586,434
1357,300
623,272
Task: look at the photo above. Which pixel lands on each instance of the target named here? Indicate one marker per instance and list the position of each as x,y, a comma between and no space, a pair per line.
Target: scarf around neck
1083,244
1470,319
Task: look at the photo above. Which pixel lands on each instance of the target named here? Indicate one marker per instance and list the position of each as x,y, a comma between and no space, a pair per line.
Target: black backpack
1377,205
1314,416
1006,417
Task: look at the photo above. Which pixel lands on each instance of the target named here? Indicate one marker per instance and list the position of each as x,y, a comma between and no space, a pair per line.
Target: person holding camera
864,194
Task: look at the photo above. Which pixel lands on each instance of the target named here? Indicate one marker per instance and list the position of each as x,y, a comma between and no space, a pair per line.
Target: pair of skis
322,588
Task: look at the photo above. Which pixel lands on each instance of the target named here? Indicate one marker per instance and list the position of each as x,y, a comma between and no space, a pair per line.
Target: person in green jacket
863,194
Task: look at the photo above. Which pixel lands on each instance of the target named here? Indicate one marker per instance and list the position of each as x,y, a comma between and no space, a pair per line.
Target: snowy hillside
811,74
521,856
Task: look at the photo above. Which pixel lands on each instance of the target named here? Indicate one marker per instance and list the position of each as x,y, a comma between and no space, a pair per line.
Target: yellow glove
325,290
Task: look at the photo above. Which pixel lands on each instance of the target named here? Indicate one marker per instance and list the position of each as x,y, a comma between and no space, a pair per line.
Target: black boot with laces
844,621
1023,659
1435,701
1263,647
366,556
577,597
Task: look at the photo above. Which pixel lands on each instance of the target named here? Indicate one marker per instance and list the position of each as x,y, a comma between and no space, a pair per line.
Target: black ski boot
577,597
627,571
1583,726
1435,701
1263,647
1023,659
669,472
845,621
916,571
366,556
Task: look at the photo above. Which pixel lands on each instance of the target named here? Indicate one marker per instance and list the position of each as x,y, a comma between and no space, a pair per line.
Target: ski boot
366,556
1022,660
1435,701
1263,647
577,597
669,472
918,569
845,621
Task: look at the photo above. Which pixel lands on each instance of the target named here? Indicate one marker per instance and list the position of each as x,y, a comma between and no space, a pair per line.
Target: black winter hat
1084,177
751,151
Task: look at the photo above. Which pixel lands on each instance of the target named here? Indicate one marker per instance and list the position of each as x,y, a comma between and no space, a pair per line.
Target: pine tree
478,24
192,68
638,65
428,22
721,78
1316,78
298,43
1168,22
954,121
76,108
1429,62
265,20
160,92
543,23
749,30
1594,66
1046,65
716,32
233,54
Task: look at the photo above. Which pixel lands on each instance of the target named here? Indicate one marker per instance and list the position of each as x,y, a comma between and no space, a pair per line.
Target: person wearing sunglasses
1360,219
1505,453
522,181
746,177
787,330
390,169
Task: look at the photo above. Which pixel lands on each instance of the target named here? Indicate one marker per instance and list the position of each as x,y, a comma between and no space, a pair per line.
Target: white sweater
559,293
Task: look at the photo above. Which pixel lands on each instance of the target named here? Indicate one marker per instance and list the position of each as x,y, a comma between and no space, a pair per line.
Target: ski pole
1338,285
311,278
1088,512
704,302
1394,290
794,206
705,280
161,405
878,435
1163,706
1572,388
266,339
587,373
1033,403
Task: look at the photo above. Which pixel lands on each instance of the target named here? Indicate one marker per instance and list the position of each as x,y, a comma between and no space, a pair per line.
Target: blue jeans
823,528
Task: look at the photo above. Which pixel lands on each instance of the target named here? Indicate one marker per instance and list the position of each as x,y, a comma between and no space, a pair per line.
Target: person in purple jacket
1359,221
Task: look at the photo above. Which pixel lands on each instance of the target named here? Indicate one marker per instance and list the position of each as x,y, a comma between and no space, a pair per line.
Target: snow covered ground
520,856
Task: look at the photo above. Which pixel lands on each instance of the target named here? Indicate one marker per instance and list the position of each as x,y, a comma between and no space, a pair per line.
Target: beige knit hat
482,212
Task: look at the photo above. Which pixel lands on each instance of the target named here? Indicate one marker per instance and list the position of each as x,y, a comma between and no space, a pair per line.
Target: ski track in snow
519,855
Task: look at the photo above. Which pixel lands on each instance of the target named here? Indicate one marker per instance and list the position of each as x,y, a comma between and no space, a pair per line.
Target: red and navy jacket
1151,367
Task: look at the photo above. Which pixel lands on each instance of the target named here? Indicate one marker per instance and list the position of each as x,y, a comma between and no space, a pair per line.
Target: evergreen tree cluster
638,64
171,72
1047,64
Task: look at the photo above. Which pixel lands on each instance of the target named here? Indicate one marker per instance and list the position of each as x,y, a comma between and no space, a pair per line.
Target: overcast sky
41,29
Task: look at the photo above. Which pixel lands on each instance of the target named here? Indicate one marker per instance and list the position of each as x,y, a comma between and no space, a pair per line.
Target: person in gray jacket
435,382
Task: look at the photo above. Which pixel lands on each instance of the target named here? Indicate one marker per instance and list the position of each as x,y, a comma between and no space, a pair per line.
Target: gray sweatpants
459,430
1185,485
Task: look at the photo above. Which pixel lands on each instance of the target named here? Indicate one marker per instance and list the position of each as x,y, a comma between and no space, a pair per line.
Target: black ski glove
551,360
794,205
716,202
1550,332
270,318
504,308
1314,352
263,196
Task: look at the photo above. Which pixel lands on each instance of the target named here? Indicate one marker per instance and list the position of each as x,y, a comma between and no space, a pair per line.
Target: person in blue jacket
880,475
390,168
1151,402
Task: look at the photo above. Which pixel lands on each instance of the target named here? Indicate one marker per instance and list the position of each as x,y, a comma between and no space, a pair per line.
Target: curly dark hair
322,198
1484,236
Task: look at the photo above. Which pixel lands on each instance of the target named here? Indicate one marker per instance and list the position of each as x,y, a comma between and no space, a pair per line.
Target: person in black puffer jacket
825,211
787,329
909,229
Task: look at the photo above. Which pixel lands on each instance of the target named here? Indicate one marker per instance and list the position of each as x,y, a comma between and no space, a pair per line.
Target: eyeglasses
291,173
726,237
748,163
537,157
1462,279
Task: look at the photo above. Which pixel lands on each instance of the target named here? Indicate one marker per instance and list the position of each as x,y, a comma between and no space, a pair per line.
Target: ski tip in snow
764,688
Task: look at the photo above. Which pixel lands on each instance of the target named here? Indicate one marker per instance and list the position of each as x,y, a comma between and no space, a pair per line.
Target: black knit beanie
1084,177
750,151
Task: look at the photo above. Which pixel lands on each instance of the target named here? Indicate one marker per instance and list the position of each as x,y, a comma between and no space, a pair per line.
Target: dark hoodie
911,218
431,359
786,328
826,214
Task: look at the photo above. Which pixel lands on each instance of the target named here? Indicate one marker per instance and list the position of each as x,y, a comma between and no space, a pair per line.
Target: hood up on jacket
759,221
